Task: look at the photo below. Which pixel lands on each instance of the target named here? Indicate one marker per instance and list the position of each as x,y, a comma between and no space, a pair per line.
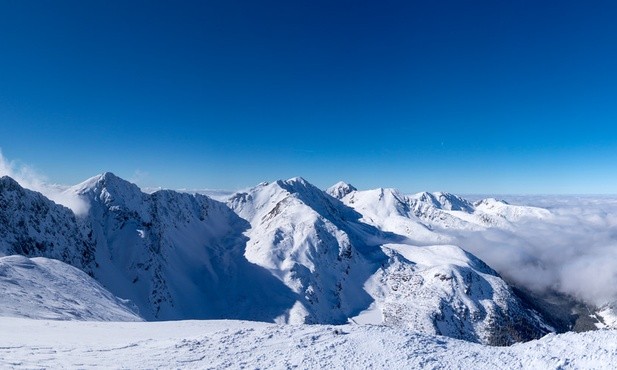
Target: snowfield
36,344
43,288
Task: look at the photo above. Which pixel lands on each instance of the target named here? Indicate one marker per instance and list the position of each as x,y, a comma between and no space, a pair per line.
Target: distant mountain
340,190
424,216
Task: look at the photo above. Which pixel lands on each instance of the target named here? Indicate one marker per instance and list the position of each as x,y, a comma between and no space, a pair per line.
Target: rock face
283,252
34,226
445,290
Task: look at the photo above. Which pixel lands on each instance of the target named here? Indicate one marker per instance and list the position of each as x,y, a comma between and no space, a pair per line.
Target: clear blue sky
460,96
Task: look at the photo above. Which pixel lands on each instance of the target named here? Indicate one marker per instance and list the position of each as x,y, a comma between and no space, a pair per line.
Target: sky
514,97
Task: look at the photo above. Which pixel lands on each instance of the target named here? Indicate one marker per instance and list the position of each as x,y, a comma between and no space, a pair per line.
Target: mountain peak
106,180
445,201
453,202
427,197
9,183
109,176
340,189
111,188
489,202
297,185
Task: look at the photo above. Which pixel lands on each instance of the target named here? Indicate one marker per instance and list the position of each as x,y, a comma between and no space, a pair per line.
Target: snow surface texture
43,288
241,344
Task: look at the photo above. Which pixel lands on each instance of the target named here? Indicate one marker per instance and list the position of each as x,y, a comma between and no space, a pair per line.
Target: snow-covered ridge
32,225
340,189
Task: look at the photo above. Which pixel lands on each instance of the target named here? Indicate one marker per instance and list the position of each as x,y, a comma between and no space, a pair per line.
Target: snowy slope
311,242
49,289
237,344
447,291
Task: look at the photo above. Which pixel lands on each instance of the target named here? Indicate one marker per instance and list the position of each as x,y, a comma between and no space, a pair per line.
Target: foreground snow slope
241,344
49,289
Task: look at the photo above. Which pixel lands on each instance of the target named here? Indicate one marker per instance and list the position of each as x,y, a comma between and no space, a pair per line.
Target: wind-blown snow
31,179
241,344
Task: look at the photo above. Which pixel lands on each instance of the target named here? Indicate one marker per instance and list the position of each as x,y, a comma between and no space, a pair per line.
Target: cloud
27,177
139,177
573,252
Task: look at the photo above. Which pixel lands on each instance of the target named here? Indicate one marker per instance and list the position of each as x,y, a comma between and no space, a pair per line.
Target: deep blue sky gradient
460,96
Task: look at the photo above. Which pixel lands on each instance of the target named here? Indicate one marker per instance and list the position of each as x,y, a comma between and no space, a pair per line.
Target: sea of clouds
573,252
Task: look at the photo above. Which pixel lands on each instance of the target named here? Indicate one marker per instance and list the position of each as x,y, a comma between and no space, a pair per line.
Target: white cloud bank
574,252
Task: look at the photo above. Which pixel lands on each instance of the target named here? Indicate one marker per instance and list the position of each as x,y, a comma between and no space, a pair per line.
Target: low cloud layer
573,252
30,179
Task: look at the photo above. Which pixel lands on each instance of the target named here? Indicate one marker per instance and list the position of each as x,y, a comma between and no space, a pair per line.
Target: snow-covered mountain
44,288
175,255
343,269
283,252
313,244
340,189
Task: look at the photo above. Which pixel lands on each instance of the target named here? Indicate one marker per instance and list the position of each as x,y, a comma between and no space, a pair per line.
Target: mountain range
284,252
